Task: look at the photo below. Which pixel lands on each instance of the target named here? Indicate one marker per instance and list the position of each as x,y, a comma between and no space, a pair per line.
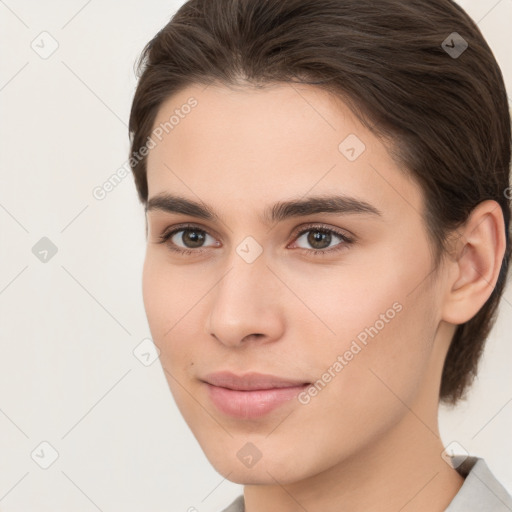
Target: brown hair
445,114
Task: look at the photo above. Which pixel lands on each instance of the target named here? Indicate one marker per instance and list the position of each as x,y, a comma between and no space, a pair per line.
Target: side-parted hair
417,73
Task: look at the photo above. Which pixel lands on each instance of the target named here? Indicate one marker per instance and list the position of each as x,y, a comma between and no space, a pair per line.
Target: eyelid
171,230
343,233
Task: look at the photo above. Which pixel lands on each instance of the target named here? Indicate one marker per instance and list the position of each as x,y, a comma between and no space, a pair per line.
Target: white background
68,327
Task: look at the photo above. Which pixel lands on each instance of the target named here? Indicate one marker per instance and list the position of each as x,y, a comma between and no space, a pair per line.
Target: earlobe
480,249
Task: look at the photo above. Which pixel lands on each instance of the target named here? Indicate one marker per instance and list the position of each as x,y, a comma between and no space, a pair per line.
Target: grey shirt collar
480,492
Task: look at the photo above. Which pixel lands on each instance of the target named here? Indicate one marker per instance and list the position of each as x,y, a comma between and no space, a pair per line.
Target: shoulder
481,491
236,506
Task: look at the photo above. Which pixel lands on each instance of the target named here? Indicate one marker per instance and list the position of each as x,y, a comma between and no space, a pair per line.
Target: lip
250,381
251,395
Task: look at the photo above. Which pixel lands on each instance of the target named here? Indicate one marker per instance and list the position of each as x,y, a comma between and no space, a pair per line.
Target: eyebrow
278,212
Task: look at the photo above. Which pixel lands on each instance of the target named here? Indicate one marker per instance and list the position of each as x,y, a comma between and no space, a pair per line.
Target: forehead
255,145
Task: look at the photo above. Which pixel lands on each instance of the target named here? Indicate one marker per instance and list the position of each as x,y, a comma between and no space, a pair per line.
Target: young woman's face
349,332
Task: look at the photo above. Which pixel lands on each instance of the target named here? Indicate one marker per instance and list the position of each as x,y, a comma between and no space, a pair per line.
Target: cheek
378,328
360,398
166,294
170,298
153,296
161,306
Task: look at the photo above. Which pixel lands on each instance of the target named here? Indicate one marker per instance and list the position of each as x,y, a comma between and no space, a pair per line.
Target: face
330,301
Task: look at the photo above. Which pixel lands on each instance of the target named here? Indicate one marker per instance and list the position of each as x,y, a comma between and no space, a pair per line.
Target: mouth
251,395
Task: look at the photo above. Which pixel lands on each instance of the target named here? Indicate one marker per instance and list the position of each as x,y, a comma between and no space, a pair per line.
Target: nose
246,304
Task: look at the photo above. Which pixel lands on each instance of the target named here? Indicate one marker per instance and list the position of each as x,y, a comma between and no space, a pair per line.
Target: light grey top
480,492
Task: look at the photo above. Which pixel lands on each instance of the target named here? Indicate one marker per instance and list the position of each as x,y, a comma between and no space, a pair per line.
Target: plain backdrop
74,395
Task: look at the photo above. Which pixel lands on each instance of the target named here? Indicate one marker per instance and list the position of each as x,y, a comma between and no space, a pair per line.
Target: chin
248,477
234,463
259,474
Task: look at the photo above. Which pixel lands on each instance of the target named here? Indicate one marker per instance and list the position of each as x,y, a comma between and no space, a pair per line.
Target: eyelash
164,237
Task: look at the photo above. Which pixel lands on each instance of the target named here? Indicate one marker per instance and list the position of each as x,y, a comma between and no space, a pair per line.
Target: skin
369,440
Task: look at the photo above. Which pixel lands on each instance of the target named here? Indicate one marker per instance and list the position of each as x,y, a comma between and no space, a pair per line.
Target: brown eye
191,238
318,240
186,239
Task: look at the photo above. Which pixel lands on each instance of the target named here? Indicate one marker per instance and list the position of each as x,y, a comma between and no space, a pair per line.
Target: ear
475,268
